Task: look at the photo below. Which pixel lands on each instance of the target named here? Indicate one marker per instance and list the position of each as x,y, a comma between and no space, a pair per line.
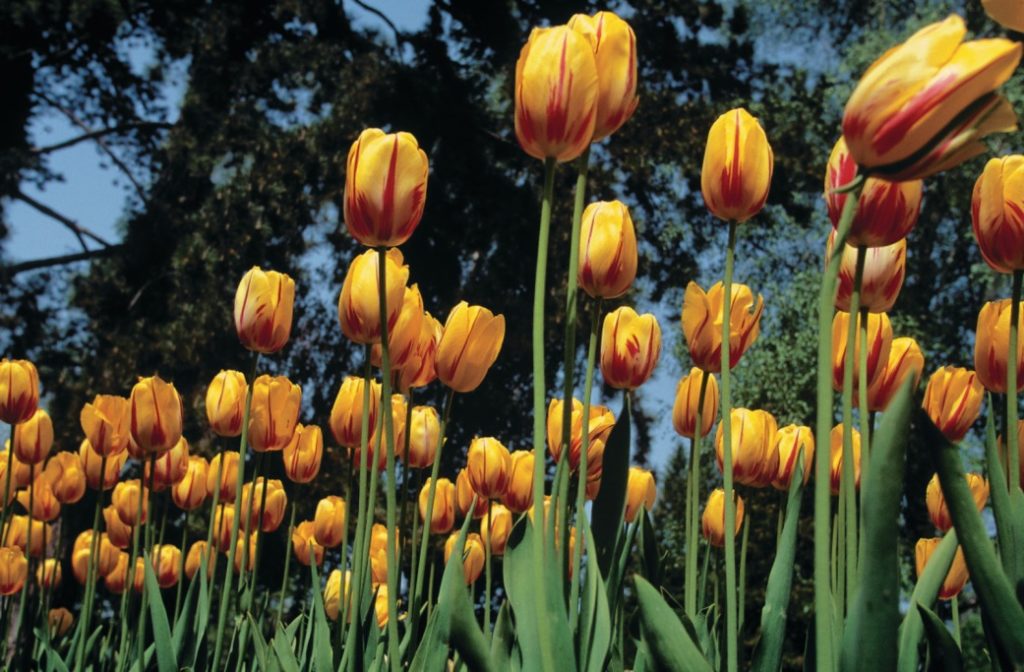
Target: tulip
92,463
44,505
116,580
755,461
737,170
380,605
13,570
464,494
992,345
556,93
442,517
702,324
488,464
1007,13
615,56
33,438
713,520
166,564
49,574
19,390
226,466
125,499
359,302
60,621
473,555
957,577
936,501
106,557
223,519
337,583
518,495
404,338
263,310
355,455
952,400
641,491
250,558
836,458
687,403
274,413
905,359
789,441
329,521
379,554
470,342
497,535
273,503
347,413
225,403
385,187
608,256
600,427
399,409
1020,447
170,467
305,545
21,472
879,344
139,575
190,492
886,211
424,435
155,415
120,535
106,423
882,279
924,105
194,559
418,369
630,347
997,213
66,477
303,455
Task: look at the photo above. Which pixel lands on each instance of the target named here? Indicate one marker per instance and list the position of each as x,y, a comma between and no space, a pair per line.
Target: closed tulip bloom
905,359
120,535
924,105
263,310
359,302
702,323
303,455
379,553
44,505
170,467
992,345
226,466
337,583
886,211
106,557
879,344
442,517
155,415
17,535
60,621
385,187
997,213
713,519
404,337
952,400
599,428
519,491
249,555
630,347
223,519
125,499
273,503
470,342
116,580
958,575
92,463
936,500
355,455
684,410
738,165
399,409
34,438
836,458
419,368
106,422
139,575
49,574
884,270
21,472
488,464
755,461
789,441
66,477
194,559
329,521
1007,13
19,390
305,546
166,564
13,570
190,492
225,403
424,434
556,93
464,494
380,605
496,534
473,556
608,256
275,412
615,56
347,412
641,492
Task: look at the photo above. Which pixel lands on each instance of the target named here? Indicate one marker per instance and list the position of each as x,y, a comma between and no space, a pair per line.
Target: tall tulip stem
848,485
181,566
6,511
693,504
287,566
731,630
866,424
90,581
1012,441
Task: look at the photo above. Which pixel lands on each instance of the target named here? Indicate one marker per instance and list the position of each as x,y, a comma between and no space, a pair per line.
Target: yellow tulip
641,491
836,458
263,310
118,532
473,555
302,456
424,433
936,500
329,521
630,347
992,345
305,546
106,558
470,342
272,502
379,554
879,344
155,415
615,56
66,476
359,301
166,564
125,499
337,583
684,410
713,519
755,461
60,621
997,213
169,467
702,323
92,463
49,574
952,400
33,438
194,559
496,534
1007,13
957,577
19,390
226,466
789,440
44,505
419,368
225,403
380,605
274,414
249,554
223,519
488,464
882,278
518,495
190,492
599,428
905,358
403,338
116,580
442,516
464,494
13,570
738,165
347,413
106,423
608,256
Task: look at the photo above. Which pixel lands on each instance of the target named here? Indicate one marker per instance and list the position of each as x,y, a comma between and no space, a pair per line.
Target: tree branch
399,37
91,135
80,231
9,271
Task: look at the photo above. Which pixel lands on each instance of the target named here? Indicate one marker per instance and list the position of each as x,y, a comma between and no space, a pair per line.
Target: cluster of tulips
922,108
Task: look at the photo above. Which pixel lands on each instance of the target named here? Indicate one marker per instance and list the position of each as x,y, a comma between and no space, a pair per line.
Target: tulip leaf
184,622
870,637
649,549
165,658
945,654
610,504
1007,508
323,655
504,638
281,644
595,627
262,649
768,654
925,593
670,646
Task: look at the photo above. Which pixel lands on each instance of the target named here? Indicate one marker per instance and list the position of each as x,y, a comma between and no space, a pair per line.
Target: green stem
6,511
731,630
954,605
1012,446
243,640
487,569
743,570
146,547
181,567
343,560
287,566
849,467
403,511
862,395
90,582
693,504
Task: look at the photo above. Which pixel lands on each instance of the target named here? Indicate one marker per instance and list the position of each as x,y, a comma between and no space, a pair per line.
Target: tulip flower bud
19,390
404,337
41,503
936,500
21,472
116,580
225,467
155,415
125,499
270,504
886,211
263,310
464,494
556,93
329,521
737,170
359,302
169,467
275,412
49,574
139,575
13,571
248,556
17,534
836,458
1007,13
952,400
225,403
33,438
223,519
442,517
190,492
60,621
615,56
66,477
106,557
380,605
166,565
424,435
92,463
641,491
488,464
924,105
194,559
347,412
303,455
789,441
992,345
755,461
385,187
419,368
905,358
684,410
997,213
630,347
608,256
702,323
497,534
337,583
879,344
519,492
379,554
120,535
713,519
599,428
470,342
399,409
473,555
106,423
305,546
884,270
957,577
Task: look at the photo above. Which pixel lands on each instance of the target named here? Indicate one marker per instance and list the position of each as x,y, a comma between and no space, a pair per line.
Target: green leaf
667,640
323,654
925,593
165,658
184,622
262,649
610,504
504,638
595,626
870,637
282,646
649,555
1007,509
945,654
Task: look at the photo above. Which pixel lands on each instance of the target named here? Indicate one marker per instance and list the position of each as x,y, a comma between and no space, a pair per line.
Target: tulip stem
1012,432
90,581
124,646
403,511
243,639
731,629
742,592
954,605
693,503
181,567
146,547
343,609
6,512
849,468
824,645
487,567
862,393
287,563
213,518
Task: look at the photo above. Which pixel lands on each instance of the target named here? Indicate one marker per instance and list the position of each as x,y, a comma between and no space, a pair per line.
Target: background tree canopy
250,169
